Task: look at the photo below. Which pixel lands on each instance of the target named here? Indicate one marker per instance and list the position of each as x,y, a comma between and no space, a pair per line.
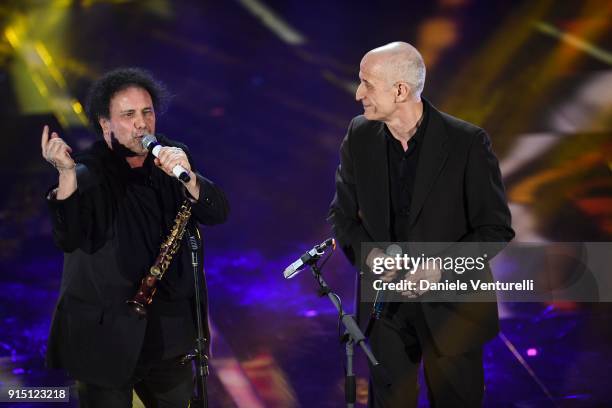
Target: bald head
398,62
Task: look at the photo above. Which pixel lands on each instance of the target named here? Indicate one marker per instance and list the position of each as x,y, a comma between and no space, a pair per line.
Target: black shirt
111,229
402,176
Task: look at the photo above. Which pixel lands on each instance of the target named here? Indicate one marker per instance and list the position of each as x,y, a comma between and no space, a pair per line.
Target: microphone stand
199,398
352,335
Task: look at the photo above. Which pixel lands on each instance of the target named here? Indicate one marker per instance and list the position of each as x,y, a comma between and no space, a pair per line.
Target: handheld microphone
308,258
380,299
150,143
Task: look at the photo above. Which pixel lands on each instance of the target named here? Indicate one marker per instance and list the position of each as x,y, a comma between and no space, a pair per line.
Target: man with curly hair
113,205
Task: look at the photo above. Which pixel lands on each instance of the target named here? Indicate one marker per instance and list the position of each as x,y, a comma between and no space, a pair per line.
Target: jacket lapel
431,160
378,186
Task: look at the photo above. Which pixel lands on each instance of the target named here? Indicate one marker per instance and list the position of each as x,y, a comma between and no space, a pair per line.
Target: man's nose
139,122
359,93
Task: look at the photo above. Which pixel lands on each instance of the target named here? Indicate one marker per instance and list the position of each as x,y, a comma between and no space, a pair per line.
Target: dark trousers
400,341
161,384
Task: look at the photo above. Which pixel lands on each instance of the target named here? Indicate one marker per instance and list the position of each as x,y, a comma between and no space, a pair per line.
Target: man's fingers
67,150
44,142
168,153
45,138
54,150
57,152
165,152
389,276
169,157
181,163
56,144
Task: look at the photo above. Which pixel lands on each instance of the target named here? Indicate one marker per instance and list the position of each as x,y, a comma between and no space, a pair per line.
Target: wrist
66,173
193,187
67,183
60,168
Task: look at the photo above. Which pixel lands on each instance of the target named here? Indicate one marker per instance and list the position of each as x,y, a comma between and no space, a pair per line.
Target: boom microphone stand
353,334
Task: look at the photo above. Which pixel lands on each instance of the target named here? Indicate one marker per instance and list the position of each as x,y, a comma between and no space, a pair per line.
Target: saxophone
169,246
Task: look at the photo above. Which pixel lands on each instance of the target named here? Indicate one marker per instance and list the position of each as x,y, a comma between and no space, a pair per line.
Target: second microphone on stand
308,258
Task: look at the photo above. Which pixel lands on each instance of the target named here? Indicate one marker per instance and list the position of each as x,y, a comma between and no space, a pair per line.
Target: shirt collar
420,132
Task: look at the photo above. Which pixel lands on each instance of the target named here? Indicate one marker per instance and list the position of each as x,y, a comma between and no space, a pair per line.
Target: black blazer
458,196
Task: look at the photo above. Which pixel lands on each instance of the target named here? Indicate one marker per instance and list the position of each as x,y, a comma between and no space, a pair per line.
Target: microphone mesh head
148,140
393,250
289,272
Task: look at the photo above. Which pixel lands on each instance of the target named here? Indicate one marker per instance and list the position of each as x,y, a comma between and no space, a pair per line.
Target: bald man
410,173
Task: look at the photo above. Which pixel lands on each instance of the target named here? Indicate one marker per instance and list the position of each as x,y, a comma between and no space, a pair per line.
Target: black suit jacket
458,196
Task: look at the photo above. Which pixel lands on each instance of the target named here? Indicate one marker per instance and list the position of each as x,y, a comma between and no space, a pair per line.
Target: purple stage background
263,91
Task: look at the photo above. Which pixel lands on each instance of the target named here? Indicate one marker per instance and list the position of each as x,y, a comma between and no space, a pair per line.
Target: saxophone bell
137,308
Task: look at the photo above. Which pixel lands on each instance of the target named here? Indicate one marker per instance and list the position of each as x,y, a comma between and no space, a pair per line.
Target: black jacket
458,196
109,240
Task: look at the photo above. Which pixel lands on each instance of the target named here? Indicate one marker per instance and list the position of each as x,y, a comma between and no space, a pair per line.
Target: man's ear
106,132
403,92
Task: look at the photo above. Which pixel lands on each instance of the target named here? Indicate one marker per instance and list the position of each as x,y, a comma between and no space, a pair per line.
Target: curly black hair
103,90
